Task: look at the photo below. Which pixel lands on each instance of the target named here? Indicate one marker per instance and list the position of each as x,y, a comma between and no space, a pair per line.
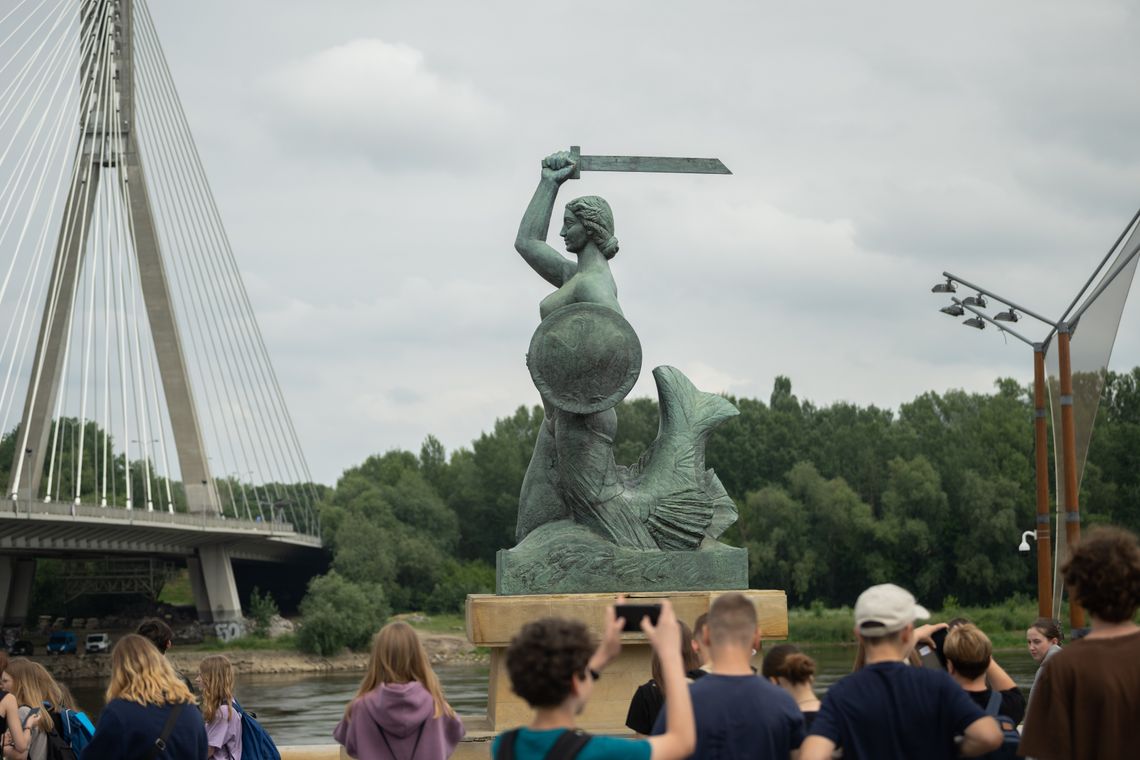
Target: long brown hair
217,674
139,673
33,686
399,657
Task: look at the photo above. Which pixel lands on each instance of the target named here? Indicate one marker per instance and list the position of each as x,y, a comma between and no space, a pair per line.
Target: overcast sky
372,160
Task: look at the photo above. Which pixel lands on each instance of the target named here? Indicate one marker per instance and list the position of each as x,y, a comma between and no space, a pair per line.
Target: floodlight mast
1041,447
1063,329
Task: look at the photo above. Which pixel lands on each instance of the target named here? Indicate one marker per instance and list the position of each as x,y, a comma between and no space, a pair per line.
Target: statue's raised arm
531,241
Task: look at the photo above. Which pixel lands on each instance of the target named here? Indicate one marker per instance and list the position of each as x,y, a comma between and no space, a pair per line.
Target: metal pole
996,297
1041,450
1108,278
998,325
1068,436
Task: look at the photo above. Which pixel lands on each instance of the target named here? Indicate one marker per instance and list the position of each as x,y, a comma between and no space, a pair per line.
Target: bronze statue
584,358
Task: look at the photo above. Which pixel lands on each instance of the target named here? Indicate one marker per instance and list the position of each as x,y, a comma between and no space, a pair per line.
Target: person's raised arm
10,710
531,241
997,678
981,736
680,737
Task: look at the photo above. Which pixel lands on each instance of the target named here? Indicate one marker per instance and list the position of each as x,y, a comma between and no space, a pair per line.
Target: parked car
96,643
62,642
21,648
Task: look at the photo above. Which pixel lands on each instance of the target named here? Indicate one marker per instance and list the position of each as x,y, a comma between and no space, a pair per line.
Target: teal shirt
533,745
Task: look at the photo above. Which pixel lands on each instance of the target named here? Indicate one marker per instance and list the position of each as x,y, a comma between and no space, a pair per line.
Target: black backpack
59,748
1009,736
566,747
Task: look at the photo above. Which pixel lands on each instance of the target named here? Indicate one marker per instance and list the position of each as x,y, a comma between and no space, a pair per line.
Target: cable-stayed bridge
139,409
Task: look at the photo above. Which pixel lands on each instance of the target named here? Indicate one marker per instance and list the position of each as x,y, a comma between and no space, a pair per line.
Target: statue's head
589,218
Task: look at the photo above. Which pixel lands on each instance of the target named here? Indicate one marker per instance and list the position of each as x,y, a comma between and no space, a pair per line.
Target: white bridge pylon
127,331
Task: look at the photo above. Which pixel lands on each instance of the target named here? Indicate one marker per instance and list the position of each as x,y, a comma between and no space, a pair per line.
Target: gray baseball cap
886,608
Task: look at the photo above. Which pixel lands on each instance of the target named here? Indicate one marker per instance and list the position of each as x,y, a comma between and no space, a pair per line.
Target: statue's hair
598,219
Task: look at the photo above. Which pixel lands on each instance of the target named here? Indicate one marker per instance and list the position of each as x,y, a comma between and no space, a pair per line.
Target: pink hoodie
399,709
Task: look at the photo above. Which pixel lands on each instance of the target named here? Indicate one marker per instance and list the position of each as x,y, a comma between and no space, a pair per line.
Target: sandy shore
442,648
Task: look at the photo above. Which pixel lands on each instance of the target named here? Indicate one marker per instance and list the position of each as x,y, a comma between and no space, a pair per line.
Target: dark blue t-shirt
127,730
892,710
742,717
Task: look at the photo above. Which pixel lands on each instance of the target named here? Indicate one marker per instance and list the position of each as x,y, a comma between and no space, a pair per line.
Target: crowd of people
705,699
711,703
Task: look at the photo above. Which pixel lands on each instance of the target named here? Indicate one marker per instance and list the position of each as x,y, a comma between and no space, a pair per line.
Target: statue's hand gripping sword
666,164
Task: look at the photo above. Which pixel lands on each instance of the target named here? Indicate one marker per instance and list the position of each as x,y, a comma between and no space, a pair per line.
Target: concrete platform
493,620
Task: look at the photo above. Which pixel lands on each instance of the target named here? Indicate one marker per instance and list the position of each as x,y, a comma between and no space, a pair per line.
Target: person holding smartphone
890,711
970,662
553,664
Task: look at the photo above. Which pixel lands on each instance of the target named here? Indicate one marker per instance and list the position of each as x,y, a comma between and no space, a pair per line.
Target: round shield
584,358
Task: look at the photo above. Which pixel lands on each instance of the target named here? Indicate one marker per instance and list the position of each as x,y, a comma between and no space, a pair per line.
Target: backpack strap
993,706
567,746
160,743
416,746
507,745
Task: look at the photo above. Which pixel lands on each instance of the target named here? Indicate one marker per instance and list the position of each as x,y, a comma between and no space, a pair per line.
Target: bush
262,608
337,613
459,580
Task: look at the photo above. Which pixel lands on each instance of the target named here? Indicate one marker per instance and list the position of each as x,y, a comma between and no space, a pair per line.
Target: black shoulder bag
160,743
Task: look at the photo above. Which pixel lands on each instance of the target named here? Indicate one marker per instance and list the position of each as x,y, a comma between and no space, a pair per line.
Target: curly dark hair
544,656
1103,574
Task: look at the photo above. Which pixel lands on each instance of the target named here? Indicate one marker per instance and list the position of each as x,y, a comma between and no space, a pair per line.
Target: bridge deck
63,529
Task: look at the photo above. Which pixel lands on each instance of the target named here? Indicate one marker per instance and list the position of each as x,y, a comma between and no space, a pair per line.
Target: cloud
382,101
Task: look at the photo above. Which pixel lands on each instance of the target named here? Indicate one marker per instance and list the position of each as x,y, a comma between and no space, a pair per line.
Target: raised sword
665,164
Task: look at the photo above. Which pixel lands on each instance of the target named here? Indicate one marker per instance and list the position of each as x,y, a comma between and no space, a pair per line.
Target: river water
304,708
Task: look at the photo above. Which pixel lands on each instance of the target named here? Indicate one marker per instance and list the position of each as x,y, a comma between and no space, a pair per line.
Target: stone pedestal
493,620
564,556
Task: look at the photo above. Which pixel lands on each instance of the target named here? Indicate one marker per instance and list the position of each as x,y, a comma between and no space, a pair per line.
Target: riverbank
442,648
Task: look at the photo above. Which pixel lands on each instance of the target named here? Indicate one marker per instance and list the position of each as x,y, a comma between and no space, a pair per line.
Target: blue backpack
71,732
256,743
1010,738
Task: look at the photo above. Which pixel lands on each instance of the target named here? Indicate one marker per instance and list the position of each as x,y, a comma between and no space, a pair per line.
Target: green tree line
832,498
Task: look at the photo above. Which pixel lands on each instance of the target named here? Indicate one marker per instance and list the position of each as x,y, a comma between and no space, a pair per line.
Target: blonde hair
139,673
969,649
399,657
33,686
217,684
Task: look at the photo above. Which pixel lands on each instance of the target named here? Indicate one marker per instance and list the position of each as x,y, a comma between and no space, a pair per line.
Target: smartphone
934,658
31,711
633,613
939,638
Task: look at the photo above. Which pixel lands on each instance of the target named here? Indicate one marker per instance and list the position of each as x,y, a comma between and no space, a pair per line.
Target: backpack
74,727
565,747
256,743
1010,737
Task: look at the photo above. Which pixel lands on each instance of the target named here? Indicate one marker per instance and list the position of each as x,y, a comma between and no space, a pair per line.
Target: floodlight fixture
1024,547
979,301
1007,316
954,310
975,322
945,287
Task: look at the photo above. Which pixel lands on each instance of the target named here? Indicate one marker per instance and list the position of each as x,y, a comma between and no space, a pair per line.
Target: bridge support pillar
16,579
215,591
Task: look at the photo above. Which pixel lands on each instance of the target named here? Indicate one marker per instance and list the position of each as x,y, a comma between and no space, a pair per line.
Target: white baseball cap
886,608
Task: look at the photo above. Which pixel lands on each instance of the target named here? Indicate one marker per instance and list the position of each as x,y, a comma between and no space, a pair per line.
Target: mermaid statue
584,358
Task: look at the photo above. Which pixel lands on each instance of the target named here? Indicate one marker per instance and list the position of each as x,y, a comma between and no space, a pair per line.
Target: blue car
62,642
